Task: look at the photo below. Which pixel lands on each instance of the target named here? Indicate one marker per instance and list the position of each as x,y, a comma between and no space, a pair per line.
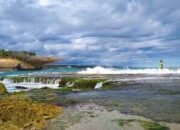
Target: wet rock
21,87
79,83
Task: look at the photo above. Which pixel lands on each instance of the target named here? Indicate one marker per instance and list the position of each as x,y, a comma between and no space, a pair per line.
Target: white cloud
43,2
95,31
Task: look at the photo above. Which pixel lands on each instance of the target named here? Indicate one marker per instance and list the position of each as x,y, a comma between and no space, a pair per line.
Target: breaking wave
102,70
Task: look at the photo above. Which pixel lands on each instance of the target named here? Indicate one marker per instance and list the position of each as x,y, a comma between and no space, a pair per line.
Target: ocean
149,92
91,70
54,74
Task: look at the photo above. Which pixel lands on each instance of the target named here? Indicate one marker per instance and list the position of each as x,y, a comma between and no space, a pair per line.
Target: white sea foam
99,85
102,70
11,86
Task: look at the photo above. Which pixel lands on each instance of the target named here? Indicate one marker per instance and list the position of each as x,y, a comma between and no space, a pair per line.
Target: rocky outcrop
23,60
31,62
10,63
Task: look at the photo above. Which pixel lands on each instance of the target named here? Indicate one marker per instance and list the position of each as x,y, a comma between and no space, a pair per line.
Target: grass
147,125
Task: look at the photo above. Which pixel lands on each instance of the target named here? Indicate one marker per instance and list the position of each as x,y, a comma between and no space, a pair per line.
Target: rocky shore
92,103
18,111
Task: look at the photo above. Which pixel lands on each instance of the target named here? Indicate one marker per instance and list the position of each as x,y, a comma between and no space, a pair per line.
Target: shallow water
157,99
152,96
89,116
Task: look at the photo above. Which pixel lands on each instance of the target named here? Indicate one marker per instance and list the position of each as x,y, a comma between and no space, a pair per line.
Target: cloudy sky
103,32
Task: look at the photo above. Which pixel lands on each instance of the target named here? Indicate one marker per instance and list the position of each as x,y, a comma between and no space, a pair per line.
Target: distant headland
23,60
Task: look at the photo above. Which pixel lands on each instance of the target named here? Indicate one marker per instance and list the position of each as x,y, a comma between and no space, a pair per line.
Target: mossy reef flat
156,100
63,82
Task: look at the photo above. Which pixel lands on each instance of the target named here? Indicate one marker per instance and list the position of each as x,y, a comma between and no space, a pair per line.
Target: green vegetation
16,54
19,112
153,126
123,122
51,96
147,125
19,79
65,83
3,89
108,85
79,83
45,95
20,55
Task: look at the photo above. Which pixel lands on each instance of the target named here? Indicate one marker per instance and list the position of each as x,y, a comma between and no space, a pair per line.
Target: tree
2,52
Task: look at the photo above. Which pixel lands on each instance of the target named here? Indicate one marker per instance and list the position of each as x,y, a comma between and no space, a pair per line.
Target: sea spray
13,83
102,70
99,85
27,83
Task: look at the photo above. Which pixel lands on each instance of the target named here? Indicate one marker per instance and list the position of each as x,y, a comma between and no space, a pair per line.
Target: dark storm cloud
117,32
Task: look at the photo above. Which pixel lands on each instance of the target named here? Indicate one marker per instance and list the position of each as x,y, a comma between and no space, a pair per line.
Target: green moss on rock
79,83
3,89
86,83
122,122
19,112
153,126
147,125
108,85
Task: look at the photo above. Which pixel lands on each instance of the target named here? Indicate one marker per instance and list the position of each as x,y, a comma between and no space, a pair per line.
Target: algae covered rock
3,89
146,125
20,112
79,83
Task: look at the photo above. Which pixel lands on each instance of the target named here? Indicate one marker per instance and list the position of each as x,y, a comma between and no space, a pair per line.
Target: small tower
161,64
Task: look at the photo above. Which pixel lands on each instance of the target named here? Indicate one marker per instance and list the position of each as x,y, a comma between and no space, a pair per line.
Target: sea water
91,70
149,92
122,74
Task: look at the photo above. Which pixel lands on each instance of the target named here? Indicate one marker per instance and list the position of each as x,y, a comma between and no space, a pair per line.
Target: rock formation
27,60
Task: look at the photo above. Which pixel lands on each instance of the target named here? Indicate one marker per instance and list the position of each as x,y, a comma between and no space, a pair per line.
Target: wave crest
102,70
